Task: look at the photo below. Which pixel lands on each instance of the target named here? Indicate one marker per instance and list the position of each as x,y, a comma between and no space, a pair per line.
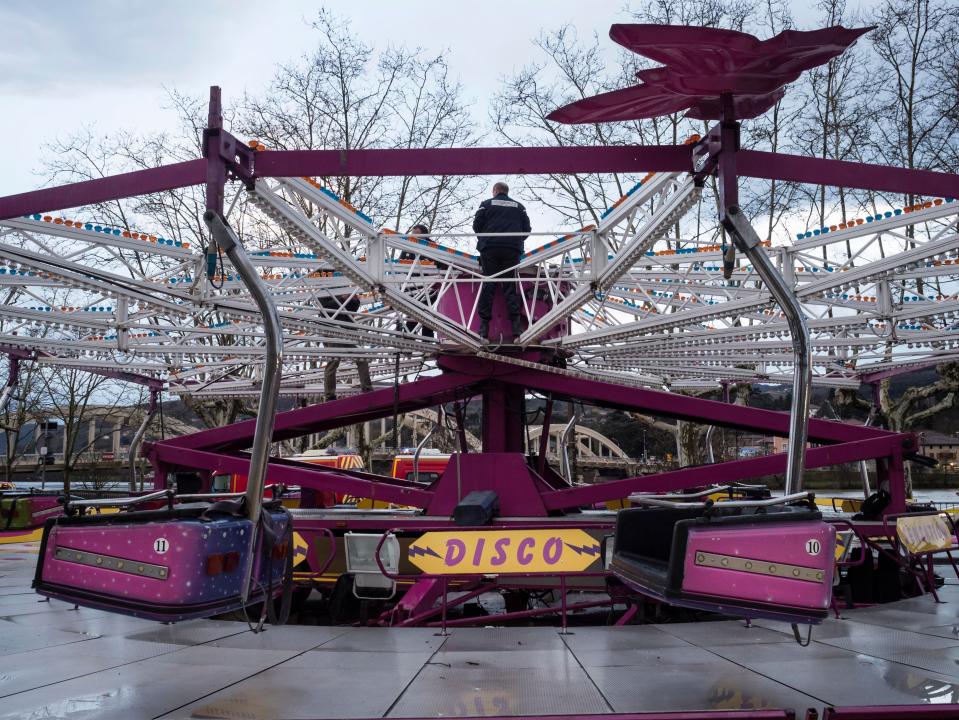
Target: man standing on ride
342,308
498,253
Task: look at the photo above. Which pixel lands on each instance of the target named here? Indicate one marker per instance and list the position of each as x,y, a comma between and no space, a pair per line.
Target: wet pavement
61,662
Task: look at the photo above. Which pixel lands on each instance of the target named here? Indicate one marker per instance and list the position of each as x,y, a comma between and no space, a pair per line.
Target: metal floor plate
944,661
729,632
615,639
444,691
301,692
719,685
863,680
58,662
505,638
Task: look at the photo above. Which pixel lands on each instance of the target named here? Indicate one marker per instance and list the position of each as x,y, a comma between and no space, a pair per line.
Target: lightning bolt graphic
414,551
584,549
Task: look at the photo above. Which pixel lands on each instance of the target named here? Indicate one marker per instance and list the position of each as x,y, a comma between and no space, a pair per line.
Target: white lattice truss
643,305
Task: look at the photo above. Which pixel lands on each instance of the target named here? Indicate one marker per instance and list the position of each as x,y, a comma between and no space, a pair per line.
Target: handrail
167,493
657,502
745,237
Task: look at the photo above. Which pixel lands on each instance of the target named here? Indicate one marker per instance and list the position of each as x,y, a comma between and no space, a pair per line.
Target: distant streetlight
46,457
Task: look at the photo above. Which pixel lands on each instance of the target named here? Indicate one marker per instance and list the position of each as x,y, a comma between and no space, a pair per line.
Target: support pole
461,426
273,366
544,436
566,465
747,241
12,378
138,438
503,407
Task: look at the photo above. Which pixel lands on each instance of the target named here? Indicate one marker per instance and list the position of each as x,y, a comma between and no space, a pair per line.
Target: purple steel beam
474,161
842,173
294,473
484,161
114,187
731,471
19,352
215,164
892,712
682,715
336,413
875,377
658,402
665,158
152,383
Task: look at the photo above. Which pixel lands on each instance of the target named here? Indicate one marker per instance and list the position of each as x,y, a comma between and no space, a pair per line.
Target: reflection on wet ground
58,662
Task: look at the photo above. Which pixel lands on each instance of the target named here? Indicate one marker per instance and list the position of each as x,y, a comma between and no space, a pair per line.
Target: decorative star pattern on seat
701,64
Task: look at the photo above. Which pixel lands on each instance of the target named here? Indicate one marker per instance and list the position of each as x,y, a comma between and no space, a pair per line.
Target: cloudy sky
106,63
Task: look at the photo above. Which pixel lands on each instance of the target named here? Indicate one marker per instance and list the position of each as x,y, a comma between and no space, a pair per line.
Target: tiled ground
57,662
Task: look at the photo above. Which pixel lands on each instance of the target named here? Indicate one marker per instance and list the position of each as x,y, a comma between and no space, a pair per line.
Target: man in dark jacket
500,214
343,309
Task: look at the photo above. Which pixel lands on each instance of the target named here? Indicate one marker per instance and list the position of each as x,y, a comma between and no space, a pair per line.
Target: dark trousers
494,260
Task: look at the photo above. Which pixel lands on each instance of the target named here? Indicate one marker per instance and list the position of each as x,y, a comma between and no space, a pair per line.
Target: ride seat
651,552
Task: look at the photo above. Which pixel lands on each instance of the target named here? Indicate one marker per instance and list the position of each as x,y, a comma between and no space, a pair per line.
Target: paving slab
60,662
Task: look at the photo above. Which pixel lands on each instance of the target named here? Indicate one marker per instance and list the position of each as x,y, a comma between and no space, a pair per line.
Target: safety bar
701,493
121,502
842,561
794,497
276,488
746,239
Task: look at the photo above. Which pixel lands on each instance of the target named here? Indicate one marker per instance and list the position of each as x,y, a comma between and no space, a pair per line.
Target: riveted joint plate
759,567
109,562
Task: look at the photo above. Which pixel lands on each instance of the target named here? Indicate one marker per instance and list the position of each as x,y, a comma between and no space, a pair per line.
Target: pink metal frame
485,161
221,449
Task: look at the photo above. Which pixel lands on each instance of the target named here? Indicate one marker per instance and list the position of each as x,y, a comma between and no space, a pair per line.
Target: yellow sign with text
504,552
925,533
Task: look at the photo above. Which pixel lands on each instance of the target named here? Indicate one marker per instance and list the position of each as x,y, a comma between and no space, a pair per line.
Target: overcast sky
105,63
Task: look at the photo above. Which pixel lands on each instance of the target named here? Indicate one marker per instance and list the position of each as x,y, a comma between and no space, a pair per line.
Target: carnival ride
610,311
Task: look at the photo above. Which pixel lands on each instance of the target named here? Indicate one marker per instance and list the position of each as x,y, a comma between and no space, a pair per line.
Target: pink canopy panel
700,65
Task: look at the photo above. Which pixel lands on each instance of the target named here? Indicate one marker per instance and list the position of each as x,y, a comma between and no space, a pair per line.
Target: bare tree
22,411
347,96
836,119
919,404
915,41
77,398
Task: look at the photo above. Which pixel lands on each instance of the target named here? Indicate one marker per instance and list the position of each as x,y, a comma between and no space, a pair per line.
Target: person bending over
500,214
338,305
